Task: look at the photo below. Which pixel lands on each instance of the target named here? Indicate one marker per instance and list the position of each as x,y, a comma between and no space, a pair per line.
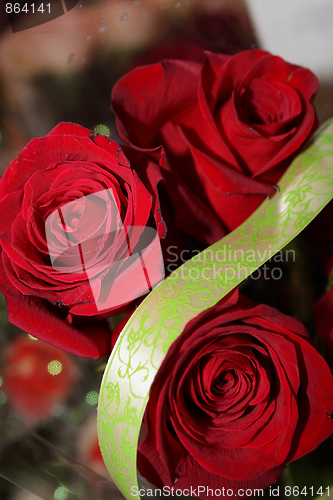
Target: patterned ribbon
304,190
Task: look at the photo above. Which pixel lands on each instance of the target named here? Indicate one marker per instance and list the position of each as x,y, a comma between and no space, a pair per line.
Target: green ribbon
304,190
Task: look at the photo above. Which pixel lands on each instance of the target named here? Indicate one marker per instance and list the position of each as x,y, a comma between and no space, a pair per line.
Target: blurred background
64,70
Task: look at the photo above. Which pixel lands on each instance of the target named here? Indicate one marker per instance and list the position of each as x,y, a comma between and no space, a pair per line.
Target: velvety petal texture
240,393
75,211
230,125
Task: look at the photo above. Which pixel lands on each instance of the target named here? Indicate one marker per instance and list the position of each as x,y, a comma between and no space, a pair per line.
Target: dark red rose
79,236
230,126
37,377
240,393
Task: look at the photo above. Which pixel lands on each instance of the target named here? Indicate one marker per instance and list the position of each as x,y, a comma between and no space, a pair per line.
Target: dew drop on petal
103,28
123,17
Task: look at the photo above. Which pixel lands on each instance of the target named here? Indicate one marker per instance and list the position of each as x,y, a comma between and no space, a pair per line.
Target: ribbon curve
304,190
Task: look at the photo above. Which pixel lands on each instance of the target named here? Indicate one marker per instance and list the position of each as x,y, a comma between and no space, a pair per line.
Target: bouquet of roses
89,227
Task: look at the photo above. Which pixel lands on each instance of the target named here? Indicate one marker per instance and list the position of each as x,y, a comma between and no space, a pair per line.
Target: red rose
230,126
74,236
240,393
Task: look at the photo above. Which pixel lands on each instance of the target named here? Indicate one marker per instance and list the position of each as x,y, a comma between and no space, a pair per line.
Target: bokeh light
92,398
61,493
54,367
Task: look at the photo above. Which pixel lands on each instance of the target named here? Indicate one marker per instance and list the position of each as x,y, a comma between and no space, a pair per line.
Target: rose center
257,110
224,381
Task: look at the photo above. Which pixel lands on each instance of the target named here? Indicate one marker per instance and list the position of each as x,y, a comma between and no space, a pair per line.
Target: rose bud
230,127
240,393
